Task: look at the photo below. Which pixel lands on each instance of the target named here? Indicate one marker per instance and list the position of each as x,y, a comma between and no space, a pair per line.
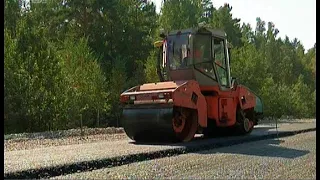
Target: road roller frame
196,92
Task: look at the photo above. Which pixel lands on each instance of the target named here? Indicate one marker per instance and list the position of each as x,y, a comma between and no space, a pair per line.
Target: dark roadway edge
65,169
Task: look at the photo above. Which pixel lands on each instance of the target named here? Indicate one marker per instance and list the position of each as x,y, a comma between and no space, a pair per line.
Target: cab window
220,60
177,51
202,54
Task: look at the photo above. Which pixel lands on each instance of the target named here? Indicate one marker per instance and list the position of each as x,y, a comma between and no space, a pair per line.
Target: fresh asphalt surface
292,157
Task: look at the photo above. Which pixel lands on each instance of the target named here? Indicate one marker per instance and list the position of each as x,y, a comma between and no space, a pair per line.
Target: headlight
161,96
132,98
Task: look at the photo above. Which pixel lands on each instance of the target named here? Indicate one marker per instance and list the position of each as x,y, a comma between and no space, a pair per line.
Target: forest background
67,62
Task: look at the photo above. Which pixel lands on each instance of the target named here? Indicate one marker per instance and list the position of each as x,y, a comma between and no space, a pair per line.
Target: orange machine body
211,102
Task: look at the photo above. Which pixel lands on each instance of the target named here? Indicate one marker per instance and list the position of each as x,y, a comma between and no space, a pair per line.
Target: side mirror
162,33
158,44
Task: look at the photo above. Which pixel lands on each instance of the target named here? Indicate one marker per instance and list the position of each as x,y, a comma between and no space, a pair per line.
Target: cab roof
205,30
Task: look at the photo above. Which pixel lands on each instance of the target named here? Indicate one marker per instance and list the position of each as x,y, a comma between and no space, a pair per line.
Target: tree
35,75
182,14
222,19
84,82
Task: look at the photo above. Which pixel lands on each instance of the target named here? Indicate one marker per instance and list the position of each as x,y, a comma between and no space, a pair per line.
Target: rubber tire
240,127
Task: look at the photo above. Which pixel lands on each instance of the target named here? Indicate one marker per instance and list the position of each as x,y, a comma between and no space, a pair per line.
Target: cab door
226,105
221,62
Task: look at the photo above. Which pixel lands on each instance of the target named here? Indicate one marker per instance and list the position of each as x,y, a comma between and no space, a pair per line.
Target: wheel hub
246,124
178,123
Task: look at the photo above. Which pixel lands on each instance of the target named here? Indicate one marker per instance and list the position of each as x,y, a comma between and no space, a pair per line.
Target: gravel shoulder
28,144
290,158
26,141
19,160
62,133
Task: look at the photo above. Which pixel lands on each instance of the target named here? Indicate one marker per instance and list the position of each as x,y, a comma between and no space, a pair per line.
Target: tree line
67,61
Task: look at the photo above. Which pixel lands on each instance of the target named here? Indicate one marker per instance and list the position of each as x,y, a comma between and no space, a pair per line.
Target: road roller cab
195,92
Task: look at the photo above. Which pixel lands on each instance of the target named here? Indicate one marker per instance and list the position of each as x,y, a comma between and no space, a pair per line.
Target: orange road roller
195,94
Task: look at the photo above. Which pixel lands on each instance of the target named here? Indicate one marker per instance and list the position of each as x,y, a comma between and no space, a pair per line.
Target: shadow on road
200,138
265,148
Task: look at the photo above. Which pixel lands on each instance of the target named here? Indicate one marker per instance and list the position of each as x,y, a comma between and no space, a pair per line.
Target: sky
293,18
